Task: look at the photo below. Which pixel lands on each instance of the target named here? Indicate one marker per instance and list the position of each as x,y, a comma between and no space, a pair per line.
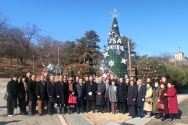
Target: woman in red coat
164,100
172,101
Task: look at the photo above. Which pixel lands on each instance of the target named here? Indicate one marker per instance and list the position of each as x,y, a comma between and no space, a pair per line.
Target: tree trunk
11,61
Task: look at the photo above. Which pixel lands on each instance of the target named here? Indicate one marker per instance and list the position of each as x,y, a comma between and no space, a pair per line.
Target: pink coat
172,101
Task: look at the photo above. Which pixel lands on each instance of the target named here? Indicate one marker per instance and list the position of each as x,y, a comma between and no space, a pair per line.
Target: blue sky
157,26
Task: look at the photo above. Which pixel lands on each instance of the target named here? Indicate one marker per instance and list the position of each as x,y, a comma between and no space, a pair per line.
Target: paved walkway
24,120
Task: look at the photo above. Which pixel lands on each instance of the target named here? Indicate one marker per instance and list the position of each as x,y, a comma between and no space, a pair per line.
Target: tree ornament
105,55
111,63
115,25
118,52
123,61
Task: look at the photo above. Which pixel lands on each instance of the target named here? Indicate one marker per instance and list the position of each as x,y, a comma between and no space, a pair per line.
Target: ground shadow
178,116
3,106
126,124
4,122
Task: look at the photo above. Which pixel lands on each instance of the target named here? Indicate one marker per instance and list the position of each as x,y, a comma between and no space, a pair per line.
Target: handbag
159,106
6,96
72,99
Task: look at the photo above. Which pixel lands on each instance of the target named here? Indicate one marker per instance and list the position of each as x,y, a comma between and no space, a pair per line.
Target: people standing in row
41,92
122,96
91,89
31,87
12,93
131,98
148,100
22,95
100,94
61,94
164,100
172,101
155,99
106,97
113,97
71,91
51,90
80,88
141,98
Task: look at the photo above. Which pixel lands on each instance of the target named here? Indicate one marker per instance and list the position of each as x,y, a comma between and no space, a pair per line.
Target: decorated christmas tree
114,59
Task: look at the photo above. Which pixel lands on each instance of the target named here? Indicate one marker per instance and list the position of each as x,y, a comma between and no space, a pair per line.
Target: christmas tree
114,59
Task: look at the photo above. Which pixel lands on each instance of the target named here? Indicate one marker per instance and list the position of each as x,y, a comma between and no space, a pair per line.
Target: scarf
148,88
25,87
70,87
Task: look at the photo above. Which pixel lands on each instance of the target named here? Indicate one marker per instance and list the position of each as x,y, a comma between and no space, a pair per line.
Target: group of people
87,94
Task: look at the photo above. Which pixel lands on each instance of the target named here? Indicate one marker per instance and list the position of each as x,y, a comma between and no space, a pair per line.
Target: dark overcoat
132,94
164,100
80,90
12,94
100,98
31,88
91,88
61,91
51,90
21,89
141,95
122,92
42,90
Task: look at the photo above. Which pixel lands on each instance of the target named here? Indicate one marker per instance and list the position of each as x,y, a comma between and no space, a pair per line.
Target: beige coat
148,105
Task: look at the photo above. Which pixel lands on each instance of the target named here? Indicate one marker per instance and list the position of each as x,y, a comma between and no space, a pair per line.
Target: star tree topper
115,13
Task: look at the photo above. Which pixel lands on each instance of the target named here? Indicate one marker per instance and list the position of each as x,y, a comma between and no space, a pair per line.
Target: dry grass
99,118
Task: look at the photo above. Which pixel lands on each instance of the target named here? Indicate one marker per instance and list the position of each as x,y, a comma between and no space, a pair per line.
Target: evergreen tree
114,57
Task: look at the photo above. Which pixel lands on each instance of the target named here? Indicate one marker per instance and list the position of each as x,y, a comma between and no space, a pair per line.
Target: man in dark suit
51,90
28,77
80,95
122,95
91,89
100,94
131,98
106,96
60,92
31,87
141,98
41,95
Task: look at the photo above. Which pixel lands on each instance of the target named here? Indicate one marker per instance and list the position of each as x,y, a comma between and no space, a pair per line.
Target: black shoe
50,114
94,111
133,116
129,115
163,118
138,116
40,114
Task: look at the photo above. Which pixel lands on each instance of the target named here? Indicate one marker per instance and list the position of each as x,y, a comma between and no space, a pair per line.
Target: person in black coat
141,98
41,92
12,95
80,93
31,87
28,77
101,87
60,92
22,95
91,89
106,97
131,98
122,95
51,90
